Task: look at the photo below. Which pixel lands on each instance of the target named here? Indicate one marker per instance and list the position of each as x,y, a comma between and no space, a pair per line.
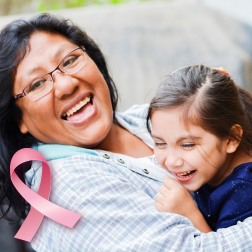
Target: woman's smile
81,113
77,107
77,111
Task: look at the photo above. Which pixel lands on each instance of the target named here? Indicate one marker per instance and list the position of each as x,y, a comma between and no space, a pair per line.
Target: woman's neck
119,140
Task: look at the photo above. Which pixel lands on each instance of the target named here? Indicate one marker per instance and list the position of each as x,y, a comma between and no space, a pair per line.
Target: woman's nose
173,160
64,84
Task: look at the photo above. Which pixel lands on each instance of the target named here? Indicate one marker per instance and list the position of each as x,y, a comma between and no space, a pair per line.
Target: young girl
202,131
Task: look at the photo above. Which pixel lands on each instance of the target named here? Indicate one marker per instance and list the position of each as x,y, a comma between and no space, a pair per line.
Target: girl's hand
174,198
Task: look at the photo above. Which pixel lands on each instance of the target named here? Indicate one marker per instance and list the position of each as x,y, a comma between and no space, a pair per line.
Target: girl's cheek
160,157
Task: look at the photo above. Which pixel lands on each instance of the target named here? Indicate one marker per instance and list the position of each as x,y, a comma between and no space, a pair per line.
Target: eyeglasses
42,85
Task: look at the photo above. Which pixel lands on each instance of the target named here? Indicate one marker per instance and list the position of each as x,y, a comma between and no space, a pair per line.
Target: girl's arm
174,198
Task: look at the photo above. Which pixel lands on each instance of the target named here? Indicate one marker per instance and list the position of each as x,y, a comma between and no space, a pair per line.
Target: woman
101,161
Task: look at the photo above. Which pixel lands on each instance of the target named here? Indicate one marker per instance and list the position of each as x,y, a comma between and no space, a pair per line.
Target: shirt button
121,161
106,156
145,171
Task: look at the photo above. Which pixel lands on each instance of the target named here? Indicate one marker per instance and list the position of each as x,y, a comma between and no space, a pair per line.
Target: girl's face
89,124
194,158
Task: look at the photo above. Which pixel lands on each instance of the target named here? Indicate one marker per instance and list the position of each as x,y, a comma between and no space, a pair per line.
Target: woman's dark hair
208,98
14,44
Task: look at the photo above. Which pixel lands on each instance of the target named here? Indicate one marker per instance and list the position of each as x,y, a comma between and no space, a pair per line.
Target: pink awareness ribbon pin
39,201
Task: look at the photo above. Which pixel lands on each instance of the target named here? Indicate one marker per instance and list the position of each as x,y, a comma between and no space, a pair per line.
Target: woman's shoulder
133,118
135,111
79,168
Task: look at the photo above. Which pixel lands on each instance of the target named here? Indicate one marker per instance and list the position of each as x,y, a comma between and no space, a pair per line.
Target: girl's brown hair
210,99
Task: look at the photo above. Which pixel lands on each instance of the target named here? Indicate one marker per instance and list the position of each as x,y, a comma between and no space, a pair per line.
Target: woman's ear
232,143
22,127
18,119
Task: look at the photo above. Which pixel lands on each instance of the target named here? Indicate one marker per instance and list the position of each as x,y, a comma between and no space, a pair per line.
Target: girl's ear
233,144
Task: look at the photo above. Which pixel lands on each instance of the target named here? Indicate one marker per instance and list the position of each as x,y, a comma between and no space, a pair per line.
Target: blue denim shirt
117,204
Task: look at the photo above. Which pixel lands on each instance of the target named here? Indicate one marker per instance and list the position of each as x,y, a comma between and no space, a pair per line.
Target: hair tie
221,70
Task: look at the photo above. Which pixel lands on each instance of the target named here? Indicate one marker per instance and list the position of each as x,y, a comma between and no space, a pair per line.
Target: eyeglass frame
23,94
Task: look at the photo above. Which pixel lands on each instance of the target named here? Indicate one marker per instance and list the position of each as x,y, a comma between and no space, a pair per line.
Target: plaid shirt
117,204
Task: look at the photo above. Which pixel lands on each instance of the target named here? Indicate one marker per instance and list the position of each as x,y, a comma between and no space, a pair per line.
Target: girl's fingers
159,207
164,191
171,183
160,197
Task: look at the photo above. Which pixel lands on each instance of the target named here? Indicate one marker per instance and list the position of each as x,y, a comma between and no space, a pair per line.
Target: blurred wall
143,42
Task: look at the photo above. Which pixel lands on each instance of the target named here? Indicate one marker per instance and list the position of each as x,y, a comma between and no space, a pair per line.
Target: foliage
13,6
8,7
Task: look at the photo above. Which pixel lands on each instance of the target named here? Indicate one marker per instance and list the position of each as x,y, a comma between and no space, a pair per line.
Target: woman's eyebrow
58,54
34,70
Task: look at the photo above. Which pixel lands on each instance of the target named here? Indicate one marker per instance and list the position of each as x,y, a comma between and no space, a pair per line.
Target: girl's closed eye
160,144
187,145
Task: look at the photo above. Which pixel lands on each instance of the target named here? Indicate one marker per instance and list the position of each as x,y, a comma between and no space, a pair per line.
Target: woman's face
43,118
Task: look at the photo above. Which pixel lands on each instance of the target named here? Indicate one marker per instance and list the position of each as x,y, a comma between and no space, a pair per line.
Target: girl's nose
172,160
64,84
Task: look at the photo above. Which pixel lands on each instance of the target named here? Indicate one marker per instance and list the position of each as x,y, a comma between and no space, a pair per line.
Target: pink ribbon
40,204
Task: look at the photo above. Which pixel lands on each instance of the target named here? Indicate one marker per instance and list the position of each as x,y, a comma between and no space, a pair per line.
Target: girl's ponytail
246,102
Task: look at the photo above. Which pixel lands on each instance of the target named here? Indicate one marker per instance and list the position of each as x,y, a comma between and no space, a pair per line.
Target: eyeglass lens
42,85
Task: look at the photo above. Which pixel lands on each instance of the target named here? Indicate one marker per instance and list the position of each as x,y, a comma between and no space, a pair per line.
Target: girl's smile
194,158
184,176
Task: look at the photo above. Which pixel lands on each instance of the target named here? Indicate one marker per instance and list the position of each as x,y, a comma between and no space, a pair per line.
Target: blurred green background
11,7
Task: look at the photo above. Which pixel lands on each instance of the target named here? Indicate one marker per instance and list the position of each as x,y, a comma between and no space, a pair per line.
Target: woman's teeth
77,107
185,174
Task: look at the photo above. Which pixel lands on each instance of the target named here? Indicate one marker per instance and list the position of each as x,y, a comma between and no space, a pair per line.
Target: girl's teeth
185,174
77,107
